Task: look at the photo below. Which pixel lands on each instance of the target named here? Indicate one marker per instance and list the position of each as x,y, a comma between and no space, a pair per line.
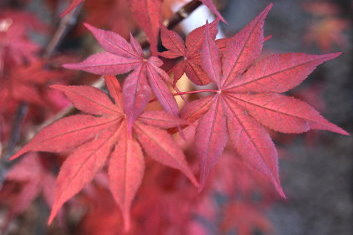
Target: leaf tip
13,157
269,6
279,189
339,130
345,133
267,37
195,182
19,153
54,211
51,218
334,55
57,87
329,126
88,26
69,66
281,192
266,10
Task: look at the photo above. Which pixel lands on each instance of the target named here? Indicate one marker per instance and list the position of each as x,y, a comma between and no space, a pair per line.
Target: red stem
194,92
189,92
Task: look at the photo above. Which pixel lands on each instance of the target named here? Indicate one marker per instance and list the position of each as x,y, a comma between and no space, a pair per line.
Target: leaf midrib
273,74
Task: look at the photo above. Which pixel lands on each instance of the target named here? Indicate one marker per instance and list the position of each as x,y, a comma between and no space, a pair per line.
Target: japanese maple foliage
122,57
109,134
190,53
247,98
223,137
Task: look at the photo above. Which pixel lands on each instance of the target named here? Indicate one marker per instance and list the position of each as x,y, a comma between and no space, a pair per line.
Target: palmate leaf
105,133
148,15
189,52
126,168
122,57
247,99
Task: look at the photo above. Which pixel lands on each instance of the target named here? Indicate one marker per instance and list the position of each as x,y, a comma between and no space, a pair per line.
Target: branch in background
182,14
178,16
14,138
16,129
65,24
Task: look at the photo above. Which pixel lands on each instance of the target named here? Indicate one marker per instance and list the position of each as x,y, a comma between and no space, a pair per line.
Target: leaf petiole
189,92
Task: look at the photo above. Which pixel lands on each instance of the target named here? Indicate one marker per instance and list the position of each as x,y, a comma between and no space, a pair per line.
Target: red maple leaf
247,99
106,133
190,53
147,14
121,57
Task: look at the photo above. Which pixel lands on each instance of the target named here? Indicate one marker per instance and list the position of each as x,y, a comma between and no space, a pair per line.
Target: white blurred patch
196,19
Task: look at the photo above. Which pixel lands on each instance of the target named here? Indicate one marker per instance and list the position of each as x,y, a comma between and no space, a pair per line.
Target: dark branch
16,129
182,14
178,16
66,23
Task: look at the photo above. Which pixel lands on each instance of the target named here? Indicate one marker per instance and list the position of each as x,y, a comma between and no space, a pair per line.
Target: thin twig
182,14
65,24
16,129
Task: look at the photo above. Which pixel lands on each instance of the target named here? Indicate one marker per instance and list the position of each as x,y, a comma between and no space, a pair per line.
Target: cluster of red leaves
23,73
180,209
117,132
109,134
24,76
